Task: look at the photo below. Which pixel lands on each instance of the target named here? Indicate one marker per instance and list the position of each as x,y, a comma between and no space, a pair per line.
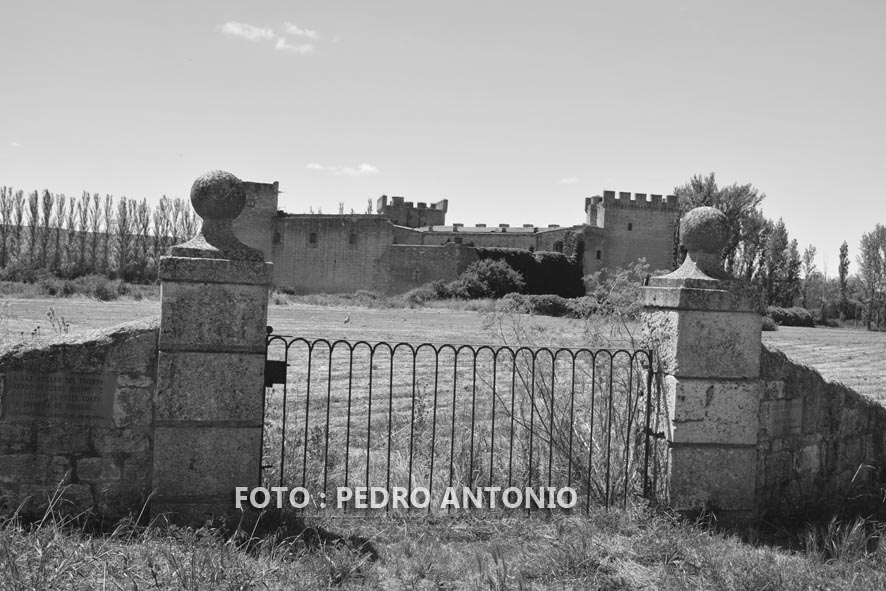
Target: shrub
486,278
551,305
791,316
421,294
769,324
543,272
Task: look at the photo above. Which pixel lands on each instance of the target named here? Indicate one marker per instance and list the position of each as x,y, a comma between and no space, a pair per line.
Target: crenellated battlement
625,200
410,214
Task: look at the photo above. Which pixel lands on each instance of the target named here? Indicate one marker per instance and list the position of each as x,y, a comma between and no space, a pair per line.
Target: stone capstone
218,195
704,229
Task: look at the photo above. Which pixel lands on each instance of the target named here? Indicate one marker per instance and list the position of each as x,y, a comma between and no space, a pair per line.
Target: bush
421,294
769,324
552,305
485,278
543,272
791,316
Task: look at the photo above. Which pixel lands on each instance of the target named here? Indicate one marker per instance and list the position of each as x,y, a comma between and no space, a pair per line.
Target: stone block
779,467
707,344
135,380
809,459
137,467
133,406
225,271
136,355
60,470
213,317
700,478
17,438
22,468
98,469
773,390
109,441
687,298
201,461
58,437
713,411
210,387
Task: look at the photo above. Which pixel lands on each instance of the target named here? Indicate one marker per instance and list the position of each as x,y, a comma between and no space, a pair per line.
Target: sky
513,111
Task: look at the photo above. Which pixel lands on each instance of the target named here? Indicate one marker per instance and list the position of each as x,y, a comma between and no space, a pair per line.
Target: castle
405,244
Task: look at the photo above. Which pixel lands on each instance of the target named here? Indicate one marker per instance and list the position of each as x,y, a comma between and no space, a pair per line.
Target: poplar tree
33,225
5,221
45,228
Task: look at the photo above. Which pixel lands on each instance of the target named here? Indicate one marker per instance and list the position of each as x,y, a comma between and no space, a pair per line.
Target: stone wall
819,442
410,266
329,253
102,458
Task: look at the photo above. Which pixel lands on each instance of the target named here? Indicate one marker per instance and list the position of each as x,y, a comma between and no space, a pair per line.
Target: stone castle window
630,226
352,238
599,255
312,240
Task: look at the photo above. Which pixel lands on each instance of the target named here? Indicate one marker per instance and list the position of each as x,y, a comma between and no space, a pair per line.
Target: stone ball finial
218,195
704,230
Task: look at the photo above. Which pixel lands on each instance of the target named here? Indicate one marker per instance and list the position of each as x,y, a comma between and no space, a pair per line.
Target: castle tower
635,226
254,226
411,215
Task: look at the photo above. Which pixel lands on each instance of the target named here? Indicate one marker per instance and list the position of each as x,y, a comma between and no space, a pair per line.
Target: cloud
248,32
293,29
570,180
283,45
267,34
345,170
15,145
362,169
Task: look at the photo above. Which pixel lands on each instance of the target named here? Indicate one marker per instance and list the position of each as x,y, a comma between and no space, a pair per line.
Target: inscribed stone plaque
63,396
786,417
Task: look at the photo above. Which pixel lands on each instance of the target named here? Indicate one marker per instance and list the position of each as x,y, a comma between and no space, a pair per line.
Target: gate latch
275,372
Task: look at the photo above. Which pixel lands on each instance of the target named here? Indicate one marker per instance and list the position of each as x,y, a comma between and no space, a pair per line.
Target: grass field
618,549
855,357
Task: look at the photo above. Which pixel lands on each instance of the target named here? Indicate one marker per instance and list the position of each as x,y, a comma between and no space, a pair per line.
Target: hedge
544,272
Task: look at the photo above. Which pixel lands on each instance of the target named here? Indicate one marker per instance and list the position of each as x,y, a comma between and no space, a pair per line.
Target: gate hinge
654,434
275,372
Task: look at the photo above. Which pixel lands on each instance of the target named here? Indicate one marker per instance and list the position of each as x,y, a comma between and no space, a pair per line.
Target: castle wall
254,226
408,266
352,252
342,256
525,238
633,228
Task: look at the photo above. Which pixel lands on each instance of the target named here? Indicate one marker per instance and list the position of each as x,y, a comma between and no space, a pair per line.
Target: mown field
617,549
854,357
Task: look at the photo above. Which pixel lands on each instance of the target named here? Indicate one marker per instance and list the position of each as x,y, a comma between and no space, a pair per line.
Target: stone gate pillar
213,318
707,331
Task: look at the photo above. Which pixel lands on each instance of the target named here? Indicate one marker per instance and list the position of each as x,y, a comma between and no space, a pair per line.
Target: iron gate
377,414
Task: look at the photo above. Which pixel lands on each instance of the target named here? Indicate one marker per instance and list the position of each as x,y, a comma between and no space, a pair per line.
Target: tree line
70,237
761,252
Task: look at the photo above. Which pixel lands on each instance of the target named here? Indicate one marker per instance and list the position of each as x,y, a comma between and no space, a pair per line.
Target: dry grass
619,549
